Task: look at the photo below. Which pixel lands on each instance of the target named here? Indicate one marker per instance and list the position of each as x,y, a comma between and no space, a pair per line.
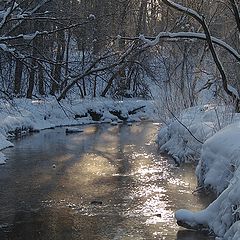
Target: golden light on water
63,158
138,191
135,129
91,129
88,174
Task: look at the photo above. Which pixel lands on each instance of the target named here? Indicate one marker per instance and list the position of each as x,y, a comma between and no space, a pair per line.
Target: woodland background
90,48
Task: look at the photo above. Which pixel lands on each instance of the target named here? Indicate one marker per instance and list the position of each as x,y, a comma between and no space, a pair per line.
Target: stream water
108,182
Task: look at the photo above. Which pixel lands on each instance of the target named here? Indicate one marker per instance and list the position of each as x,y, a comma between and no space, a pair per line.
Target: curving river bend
108,182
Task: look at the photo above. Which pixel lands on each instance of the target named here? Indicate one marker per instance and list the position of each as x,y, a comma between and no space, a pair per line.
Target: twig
185,127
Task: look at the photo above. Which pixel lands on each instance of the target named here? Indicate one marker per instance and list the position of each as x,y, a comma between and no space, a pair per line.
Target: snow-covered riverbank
23,115
210,134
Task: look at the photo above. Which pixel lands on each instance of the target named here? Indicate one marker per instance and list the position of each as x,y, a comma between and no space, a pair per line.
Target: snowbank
182,137
24,115
218,168
220,158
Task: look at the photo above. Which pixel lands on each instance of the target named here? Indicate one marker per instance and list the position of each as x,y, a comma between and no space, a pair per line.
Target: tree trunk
141,24
59,62
94,86
31,80
41,80
18,77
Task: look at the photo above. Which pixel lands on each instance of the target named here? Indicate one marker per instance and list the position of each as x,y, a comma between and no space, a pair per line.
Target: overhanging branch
152,41
206,30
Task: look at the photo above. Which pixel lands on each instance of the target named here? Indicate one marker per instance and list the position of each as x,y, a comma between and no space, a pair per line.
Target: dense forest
82,48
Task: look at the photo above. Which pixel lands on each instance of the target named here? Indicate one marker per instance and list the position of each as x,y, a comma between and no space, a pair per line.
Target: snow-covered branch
5,48
236,13
181,8
13,11
209,40
5,14
152,41
93,68
31,36
21,17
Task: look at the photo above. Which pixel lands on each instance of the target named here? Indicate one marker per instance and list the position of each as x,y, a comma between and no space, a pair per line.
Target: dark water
108,182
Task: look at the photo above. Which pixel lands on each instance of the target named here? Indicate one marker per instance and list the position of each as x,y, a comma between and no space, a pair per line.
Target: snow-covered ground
210,134
183,136
23,115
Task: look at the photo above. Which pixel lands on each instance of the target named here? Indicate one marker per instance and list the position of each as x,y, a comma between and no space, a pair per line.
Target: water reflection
106,183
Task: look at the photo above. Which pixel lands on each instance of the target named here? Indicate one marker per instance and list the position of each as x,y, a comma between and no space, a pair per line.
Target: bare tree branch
152,41
206,30
236,13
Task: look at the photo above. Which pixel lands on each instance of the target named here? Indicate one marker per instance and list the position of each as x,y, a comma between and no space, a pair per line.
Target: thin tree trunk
31,80
66,60
83,66
141,24
59,61
18,77
94,86
41,80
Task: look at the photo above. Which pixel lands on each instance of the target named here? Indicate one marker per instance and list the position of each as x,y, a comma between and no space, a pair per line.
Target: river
108,182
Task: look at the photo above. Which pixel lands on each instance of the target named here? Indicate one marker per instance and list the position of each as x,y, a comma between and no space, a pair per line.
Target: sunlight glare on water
108,182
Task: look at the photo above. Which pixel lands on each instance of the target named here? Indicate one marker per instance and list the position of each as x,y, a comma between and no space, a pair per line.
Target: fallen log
134,111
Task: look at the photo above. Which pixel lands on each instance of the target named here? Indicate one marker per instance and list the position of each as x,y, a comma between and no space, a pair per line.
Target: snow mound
219,169
183,136
220,158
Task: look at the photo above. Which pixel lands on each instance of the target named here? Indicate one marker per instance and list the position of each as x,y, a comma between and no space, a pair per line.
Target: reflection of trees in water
193,235
103,163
